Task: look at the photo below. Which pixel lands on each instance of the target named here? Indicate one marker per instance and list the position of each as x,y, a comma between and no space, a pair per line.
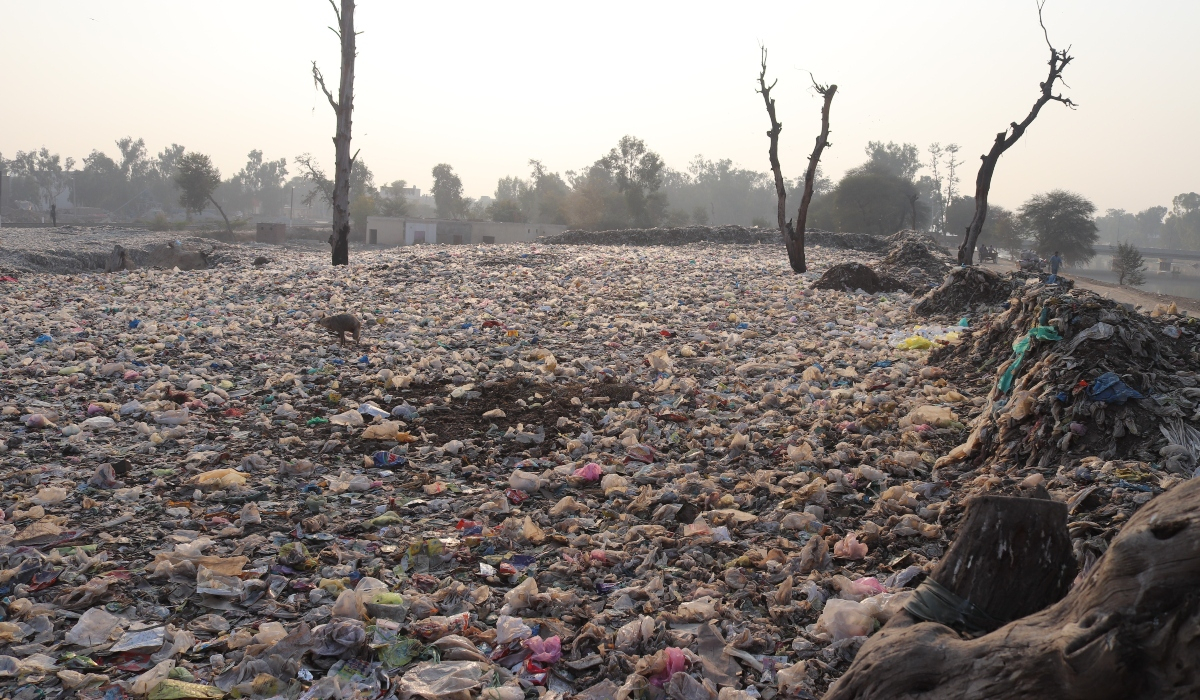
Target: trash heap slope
589,472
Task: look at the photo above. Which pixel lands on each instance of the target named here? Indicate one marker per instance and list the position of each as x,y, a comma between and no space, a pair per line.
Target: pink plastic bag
546,651
589,472
674,661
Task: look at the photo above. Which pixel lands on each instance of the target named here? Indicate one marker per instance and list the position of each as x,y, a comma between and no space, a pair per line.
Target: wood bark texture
1005,139
343,107
785,229
1129,629
799,264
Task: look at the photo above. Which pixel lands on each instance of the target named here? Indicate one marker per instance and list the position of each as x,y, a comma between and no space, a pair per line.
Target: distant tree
1004,140
1003,230
361,207
958,213
197,179
637,172
700,216
362,180
46,170
313,173
937,199
549,192
876,203
135,159
262,181
1116,225
1128,265
1063,221
448,193
1182,226
506,210
595,203
1150,223
899,160
392,200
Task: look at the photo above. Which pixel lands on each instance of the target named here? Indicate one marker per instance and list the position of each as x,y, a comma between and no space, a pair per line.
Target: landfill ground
546,470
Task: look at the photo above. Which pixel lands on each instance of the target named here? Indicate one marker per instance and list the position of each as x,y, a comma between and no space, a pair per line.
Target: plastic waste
1108,388
841,619
93,627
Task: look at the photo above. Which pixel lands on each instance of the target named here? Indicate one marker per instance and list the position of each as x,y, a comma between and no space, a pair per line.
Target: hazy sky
487,86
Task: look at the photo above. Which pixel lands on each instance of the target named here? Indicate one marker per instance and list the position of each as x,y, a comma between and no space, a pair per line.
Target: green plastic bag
1020,347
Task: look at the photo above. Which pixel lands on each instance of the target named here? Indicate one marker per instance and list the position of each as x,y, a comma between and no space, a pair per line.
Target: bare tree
793,237
810,175
1004,140
773,153
935,161
343,107
952,163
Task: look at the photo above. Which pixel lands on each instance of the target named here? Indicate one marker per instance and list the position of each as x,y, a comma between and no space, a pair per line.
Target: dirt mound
1079,380
852,276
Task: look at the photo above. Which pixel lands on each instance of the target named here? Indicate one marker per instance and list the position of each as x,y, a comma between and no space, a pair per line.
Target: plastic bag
93,627
915,342
219,479
349,418
143,684
384,430
510,629
937,416
1108,388
842,619
447,680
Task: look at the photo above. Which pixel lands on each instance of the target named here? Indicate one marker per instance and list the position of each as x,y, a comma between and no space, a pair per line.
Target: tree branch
338,13
319,81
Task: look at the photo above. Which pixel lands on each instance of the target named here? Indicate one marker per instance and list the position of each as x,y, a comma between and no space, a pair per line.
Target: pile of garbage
1090,403
966,288
915,262
855,276
596,472
669,236
75,249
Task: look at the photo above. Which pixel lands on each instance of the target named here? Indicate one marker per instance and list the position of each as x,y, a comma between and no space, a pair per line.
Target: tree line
897,186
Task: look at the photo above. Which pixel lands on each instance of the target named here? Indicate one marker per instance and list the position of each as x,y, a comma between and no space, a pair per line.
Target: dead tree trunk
1004,140
343,107
228,228
810,175
1127,630
780,187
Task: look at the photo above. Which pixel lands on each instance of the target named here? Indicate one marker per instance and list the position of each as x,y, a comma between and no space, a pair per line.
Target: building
400,230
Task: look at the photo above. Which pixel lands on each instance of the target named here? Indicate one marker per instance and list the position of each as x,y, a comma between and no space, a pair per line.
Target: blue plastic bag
1108,388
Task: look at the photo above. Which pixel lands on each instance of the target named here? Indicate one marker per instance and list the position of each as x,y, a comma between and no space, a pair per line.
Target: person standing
1056,262
53,215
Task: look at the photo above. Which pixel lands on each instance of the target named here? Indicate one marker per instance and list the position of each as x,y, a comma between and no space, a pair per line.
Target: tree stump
1130,629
